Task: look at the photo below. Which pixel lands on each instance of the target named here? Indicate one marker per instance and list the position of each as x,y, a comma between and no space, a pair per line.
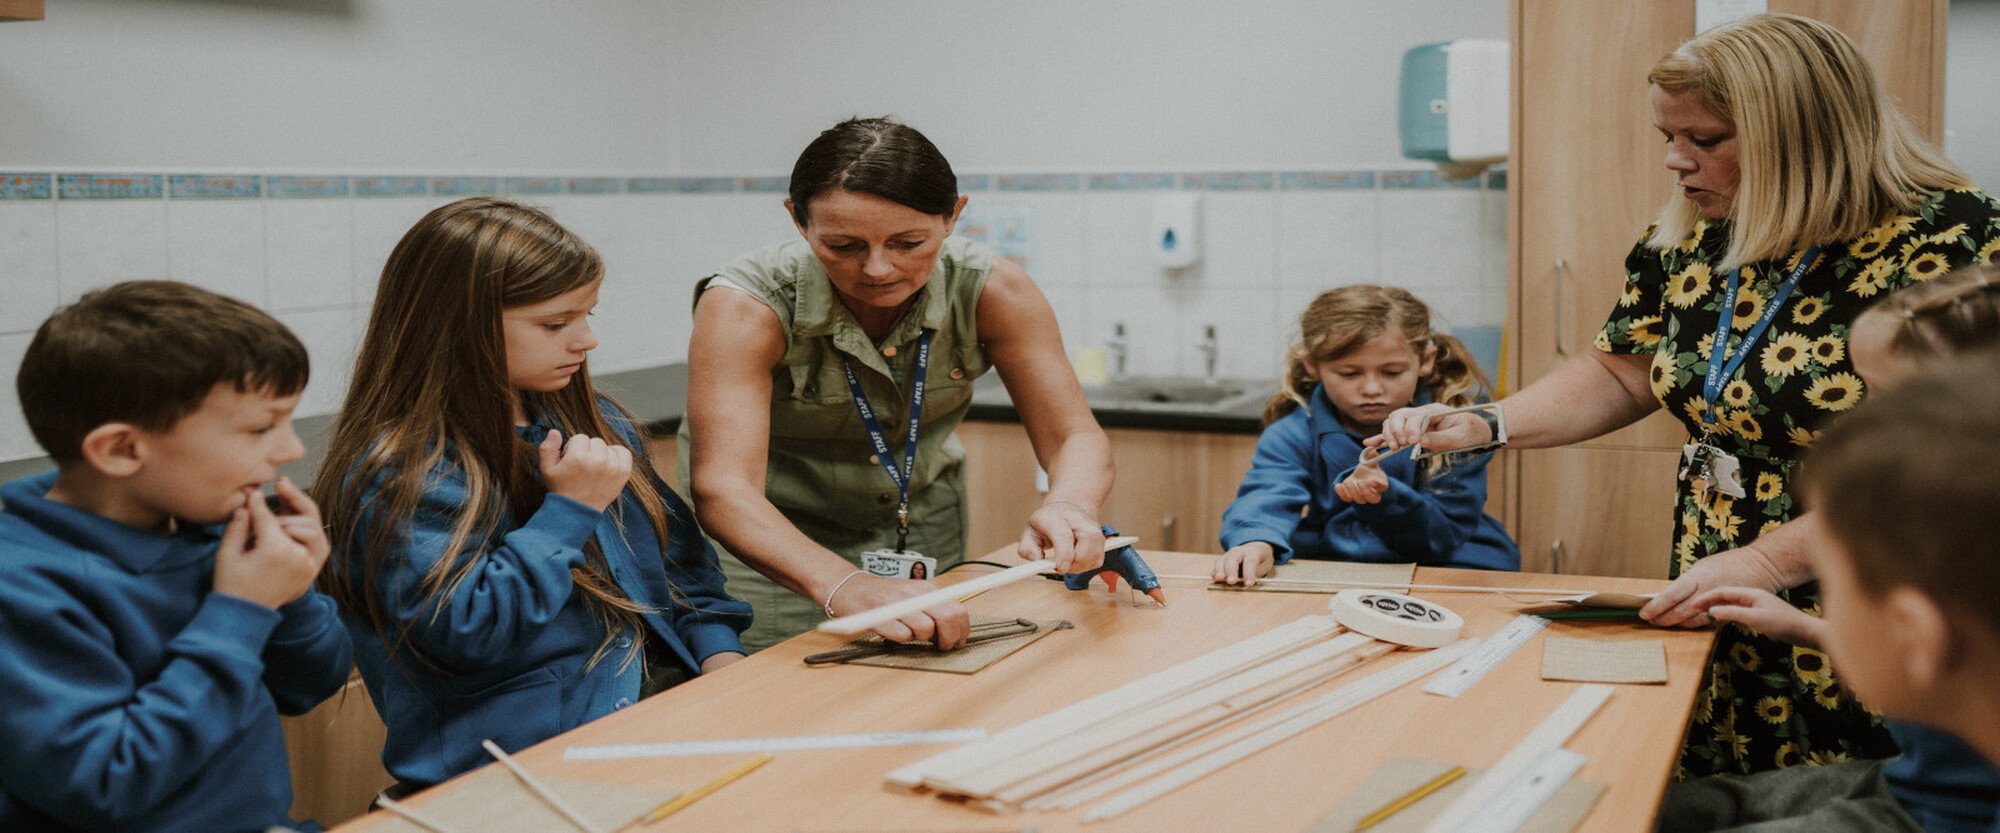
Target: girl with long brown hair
508,562
1363,351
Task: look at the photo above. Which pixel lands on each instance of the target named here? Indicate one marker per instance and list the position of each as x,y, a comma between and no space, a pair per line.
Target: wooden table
1631,743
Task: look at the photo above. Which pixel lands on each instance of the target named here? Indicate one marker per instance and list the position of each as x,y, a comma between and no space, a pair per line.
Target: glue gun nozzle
1158,596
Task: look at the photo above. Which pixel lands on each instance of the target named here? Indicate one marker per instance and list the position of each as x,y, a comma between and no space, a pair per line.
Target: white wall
1971,110
1060,84
315,85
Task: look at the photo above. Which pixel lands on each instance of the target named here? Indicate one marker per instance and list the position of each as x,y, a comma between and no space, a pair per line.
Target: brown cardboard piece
968,660
1604,660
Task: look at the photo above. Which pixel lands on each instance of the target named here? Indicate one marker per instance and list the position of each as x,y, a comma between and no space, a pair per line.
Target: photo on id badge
893,564
1708,467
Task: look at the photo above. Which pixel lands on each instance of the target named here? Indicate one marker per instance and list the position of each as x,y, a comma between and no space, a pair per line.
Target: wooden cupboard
1171,490
20,10
1585,177
335,752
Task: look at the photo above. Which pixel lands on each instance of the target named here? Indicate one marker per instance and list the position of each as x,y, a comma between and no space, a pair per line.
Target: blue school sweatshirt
503,657
1287,501
131,696
1940,781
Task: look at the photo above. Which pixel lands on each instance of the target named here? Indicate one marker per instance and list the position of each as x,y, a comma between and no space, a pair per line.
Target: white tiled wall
314,264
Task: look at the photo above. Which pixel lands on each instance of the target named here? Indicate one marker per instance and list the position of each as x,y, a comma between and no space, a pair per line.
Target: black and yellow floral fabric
1766,704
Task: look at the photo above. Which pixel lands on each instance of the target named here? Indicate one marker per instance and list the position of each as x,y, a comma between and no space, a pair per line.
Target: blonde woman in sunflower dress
1804,196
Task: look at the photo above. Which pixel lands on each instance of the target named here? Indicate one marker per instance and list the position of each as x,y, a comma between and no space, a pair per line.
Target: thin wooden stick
858,622
540,790
1551,733
1386,585
411,816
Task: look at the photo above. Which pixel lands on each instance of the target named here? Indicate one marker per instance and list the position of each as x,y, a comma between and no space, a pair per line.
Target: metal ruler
1528,791
1453,681
735,746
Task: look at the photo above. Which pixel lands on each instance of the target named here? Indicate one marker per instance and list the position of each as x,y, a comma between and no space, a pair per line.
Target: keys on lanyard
1704,464
881,443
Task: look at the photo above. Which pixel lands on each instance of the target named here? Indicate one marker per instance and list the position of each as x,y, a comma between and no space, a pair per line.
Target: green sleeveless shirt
820,472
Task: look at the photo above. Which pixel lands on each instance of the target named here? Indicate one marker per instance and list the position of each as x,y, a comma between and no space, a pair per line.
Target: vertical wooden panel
335,752
20,9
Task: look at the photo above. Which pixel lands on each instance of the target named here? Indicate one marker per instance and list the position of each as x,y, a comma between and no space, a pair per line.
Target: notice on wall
1709,14
1007,226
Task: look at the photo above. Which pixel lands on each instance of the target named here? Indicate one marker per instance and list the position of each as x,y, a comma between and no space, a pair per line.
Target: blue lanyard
1723,366
868,421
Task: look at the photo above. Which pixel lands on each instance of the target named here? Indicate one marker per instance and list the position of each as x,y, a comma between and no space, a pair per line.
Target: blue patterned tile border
1039,182
25,187
1230,181
465,186
593,185
1408,179
1130,181
974,182
532,185
1327,180
109,186
764,184
305,186
211,186
704,184
391,186
1496,179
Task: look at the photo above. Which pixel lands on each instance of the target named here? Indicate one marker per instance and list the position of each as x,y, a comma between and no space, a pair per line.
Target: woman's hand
1405,427
588,470
1763,612
1744,567
1365,485
945,624
1065,533
1244,564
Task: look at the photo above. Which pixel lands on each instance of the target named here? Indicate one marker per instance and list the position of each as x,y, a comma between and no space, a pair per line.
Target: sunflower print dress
1766,704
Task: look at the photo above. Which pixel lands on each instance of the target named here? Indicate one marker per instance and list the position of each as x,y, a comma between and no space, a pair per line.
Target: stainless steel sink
1173,393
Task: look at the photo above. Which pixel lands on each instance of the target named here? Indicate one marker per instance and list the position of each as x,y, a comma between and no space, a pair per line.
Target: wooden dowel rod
412,816
858,622
540,790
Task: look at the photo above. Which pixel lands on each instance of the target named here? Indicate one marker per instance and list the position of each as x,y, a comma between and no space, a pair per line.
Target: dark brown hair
147,353
431,387
1909,482
879,157
1950,314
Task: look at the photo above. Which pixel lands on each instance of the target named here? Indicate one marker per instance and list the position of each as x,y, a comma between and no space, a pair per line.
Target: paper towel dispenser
1454,104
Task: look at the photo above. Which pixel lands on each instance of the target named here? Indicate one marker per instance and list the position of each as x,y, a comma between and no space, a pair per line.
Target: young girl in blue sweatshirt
1363,351
508,562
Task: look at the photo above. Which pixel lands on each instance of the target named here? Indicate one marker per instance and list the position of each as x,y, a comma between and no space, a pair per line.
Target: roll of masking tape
1394,617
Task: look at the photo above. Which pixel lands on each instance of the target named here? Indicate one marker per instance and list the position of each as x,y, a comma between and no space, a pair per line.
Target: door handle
1556,556
1168,525
1561,278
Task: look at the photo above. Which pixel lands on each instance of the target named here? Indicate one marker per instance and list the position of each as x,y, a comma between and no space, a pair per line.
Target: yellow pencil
696,794
1409,798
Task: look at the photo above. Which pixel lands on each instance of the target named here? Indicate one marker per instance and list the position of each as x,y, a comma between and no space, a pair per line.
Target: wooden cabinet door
335,753
1597,511
1000,483
1159,481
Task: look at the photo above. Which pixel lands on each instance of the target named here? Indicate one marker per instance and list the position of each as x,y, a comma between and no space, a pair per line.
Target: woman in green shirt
802,407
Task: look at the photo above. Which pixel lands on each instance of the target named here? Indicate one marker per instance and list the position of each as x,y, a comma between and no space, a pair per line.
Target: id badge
1708,467
893,564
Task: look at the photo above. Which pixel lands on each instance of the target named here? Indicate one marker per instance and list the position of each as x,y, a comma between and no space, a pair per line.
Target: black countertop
658,397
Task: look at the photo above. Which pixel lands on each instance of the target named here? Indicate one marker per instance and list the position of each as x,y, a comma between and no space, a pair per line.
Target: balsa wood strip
1202,670
858,622
1281,727
1137,750
1086,752
1553,732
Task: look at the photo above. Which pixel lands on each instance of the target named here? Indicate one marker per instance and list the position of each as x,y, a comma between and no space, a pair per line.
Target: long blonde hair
431,387
1823,156
1342,319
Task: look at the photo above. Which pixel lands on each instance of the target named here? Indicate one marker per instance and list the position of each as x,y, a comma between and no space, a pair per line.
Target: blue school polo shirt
132,697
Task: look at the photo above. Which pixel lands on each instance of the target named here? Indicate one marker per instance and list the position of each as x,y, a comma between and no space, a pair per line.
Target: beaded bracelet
836,589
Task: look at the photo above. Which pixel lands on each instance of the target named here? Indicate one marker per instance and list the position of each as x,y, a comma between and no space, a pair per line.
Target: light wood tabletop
1631,744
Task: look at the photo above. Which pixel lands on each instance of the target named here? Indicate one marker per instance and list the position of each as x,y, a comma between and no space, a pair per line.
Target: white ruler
1529,791
735,746
1453,681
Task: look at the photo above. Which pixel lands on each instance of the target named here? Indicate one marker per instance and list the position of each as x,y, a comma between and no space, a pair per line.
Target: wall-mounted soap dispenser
1177,229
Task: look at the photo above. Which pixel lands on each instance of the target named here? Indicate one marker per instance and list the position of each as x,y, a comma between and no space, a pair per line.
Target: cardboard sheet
492,800
1604,660
968,660
1563,812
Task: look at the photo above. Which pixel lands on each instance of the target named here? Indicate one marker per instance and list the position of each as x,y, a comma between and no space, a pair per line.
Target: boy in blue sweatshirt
156,616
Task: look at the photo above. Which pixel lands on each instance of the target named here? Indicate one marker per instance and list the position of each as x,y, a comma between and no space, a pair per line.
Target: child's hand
1365,485
300,519
1244,564
259,561
589,471
1766,613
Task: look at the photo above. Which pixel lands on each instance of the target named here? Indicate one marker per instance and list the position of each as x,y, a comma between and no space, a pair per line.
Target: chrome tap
1208,348
1116,347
